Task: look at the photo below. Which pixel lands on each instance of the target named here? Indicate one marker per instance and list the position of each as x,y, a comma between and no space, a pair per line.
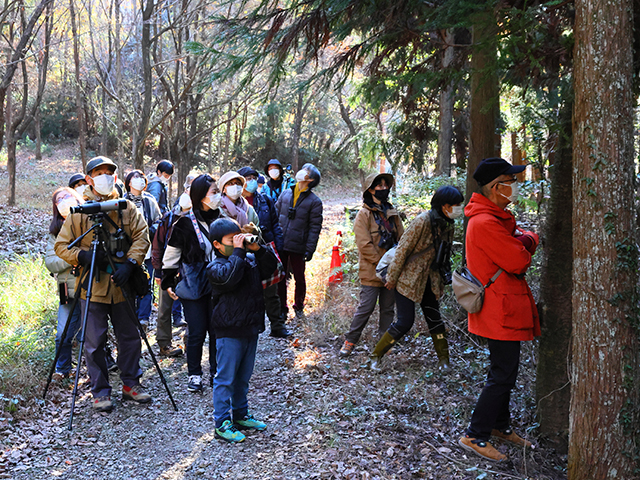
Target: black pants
197,314
406,310
492,409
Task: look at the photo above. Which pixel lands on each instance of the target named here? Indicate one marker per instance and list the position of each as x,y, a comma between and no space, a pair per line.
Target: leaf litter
327,417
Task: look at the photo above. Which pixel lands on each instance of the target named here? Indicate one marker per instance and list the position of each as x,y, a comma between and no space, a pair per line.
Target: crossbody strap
494,278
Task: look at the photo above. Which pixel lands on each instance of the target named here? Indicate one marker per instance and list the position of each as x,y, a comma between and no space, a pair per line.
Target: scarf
238,211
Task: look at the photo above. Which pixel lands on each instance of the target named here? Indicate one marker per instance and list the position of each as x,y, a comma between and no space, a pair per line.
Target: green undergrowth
28,311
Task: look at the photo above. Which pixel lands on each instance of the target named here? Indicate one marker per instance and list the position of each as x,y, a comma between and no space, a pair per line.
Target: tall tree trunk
38,135
82,125
603,421
118,47
553,389
485,104
11,149
301,108
227,140
445,133
145,115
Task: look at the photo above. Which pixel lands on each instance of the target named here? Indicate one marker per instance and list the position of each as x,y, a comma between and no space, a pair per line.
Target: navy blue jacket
265,207
238,301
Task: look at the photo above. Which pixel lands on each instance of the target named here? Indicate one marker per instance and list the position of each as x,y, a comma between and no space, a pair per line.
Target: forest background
424,89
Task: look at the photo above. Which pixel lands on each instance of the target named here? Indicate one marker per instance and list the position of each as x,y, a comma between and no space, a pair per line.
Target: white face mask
64,206
163,179
456,212
274,173
80,189
103,184
234,191
138,183
301,176
212,201
515,190
185,201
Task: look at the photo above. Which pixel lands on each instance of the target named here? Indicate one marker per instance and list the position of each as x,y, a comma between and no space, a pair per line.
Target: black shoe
280,333
112,366
179,322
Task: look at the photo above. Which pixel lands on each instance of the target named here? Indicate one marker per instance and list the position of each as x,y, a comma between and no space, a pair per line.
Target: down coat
300,233
268,215
367,234
104,291
509,311
410,278
238,301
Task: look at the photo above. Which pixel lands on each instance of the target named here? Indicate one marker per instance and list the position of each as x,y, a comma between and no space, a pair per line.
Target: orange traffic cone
336,260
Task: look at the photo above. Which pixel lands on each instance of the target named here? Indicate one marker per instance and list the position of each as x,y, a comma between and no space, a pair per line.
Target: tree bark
603,421
553,390
301,109
118,49
147,78
82,126
445,132
485,102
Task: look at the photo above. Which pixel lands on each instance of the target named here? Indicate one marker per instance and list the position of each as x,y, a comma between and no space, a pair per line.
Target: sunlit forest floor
328,418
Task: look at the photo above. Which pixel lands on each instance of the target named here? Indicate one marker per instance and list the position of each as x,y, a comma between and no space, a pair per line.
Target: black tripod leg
92,271
134,315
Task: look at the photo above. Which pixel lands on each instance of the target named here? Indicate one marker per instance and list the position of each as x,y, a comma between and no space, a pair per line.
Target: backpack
162,233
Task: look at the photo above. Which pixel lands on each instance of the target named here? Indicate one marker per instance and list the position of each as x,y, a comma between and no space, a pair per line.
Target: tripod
100,240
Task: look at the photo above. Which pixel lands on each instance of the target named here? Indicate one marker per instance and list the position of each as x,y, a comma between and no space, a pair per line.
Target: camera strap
196,227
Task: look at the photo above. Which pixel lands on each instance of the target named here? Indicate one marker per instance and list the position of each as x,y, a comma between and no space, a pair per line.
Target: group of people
220,251
417,266
222,248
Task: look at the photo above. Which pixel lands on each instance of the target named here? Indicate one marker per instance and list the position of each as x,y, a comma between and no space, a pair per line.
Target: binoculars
251,239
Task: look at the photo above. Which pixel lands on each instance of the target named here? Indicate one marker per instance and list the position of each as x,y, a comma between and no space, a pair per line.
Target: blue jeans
63,364
143,304
236,358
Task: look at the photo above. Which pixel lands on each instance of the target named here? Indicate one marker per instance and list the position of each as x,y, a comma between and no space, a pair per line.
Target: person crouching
238,318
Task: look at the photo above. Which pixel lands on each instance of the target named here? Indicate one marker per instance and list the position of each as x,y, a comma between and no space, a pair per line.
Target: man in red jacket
509,314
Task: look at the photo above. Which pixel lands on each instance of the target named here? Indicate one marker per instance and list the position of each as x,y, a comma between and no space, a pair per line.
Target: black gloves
123,273
84,258
308,256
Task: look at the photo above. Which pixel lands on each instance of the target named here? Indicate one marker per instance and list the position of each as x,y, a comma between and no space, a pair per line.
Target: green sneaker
229,433
249,423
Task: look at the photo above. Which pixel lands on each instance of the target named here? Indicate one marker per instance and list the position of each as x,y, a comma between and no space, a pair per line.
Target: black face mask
382,195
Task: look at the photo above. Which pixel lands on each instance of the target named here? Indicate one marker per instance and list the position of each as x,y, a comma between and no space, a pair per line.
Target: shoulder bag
469,291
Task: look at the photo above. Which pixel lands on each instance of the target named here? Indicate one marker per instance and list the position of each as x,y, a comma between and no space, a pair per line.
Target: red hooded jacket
509,311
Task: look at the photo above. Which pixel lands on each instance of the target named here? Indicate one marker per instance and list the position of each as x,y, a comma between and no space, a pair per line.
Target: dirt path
328,418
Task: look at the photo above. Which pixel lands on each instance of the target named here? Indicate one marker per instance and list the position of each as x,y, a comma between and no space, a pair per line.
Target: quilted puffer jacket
238,301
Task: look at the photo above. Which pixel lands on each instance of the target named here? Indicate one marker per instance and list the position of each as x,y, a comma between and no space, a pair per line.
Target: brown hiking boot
347,348
509,435
102,404
170,351
135,393
482,449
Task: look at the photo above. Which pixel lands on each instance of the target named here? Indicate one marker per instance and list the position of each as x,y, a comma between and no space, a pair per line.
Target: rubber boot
442,350
382,347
